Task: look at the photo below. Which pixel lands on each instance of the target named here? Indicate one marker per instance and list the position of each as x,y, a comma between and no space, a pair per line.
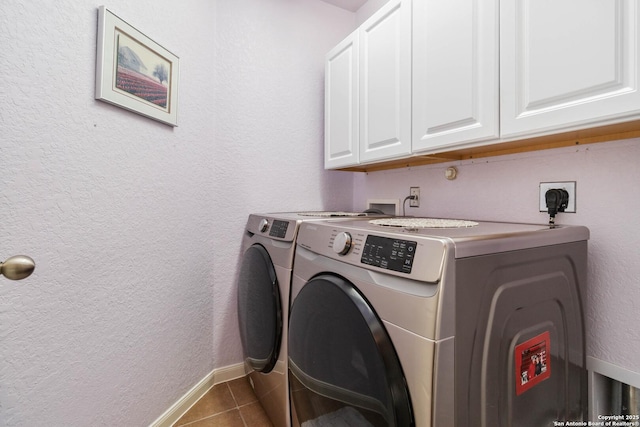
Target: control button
264,225
342,243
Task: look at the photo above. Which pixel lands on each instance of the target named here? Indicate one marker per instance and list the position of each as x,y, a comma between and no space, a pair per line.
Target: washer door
343,368
259,309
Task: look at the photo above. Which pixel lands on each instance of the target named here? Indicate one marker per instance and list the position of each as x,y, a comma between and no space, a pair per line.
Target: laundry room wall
269,104
117,211
505,188
135,226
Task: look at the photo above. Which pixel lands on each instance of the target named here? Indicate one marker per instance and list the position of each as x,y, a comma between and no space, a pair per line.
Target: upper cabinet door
455,72
567,64
385,83
341,140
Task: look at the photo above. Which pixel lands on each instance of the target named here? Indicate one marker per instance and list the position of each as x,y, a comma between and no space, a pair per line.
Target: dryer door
343,368
259,309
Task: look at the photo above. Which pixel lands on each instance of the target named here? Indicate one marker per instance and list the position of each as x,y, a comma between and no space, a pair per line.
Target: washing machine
264,282
430,322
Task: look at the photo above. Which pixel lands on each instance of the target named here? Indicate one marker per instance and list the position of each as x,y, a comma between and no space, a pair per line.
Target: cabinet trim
601,134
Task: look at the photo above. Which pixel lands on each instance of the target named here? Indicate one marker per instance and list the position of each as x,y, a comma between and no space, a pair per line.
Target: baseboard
614,372
183,404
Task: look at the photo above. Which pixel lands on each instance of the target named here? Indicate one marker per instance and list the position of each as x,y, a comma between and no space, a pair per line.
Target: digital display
390,254
279,229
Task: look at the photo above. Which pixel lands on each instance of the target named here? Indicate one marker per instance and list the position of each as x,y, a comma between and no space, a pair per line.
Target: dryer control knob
342,243
264,225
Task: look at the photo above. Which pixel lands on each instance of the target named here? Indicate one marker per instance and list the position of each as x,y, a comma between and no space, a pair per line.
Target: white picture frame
134,72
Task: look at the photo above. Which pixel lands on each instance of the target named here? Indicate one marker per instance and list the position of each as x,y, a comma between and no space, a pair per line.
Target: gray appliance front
498,341
263,299
520,339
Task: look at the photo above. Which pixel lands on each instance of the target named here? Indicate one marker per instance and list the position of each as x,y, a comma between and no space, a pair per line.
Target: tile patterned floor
230,404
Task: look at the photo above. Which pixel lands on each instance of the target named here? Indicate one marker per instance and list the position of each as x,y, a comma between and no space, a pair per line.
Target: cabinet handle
17,267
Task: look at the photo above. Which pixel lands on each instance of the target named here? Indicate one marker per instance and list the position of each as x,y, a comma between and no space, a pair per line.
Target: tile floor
230,404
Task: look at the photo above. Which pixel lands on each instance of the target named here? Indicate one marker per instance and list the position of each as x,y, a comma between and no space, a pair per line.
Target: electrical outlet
414,191
570,186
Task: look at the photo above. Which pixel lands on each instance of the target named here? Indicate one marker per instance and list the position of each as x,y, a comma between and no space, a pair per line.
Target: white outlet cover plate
570,186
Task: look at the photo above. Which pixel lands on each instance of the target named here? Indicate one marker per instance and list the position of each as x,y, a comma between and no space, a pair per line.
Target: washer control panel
389,253
407,255
274,228
342,243
279,229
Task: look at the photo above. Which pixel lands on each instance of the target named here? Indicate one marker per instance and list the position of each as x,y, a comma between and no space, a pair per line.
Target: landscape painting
141,72
134,72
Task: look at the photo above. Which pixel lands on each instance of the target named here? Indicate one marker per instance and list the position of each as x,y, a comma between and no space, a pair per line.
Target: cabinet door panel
455,72
385,83
568,64
341,128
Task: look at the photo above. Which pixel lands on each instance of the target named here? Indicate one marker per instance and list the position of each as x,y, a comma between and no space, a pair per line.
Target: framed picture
134,72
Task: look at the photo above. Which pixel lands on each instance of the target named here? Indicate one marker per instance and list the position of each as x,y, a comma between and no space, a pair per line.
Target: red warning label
532,362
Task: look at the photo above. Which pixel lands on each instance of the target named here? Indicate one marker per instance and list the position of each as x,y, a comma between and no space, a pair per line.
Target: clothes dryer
423,322
264,282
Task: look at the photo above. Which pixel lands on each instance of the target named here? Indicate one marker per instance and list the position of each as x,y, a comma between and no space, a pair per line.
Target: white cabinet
430,76
368,90
341,120
567,64
455,73
385,83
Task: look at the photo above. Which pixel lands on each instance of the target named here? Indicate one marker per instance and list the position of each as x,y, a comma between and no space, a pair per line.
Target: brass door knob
17,267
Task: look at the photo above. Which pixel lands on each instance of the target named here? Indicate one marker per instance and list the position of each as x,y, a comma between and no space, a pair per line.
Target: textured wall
506,189
269,133
118,212
135,226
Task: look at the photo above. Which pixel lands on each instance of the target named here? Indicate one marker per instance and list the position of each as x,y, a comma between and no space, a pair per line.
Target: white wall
506,189
117,211
269,138
135,227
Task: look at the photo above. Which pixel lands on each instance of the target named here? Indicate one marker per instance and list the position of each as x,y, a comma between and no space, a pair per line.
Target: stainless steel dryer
422,322
264,282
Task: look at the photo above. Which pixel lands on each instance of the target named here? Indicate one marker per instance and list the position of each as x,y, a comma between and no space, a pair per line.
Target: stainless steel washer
264,282
437,323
